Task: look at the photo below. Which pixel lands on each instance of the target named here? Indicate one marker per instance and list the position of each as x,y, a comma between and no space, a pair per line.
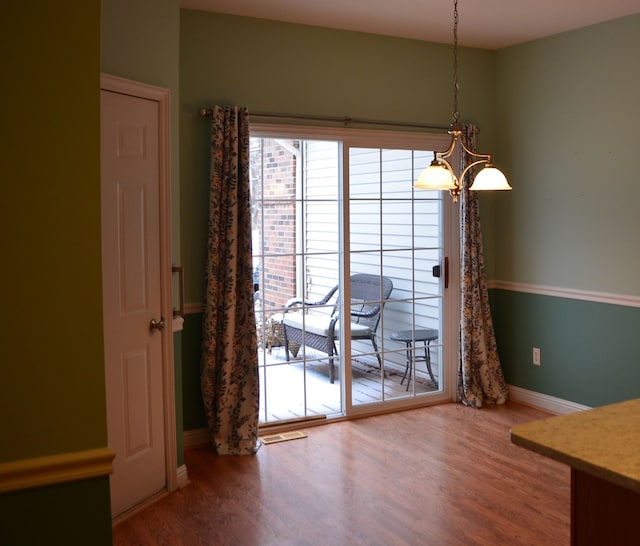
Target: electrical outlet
536,356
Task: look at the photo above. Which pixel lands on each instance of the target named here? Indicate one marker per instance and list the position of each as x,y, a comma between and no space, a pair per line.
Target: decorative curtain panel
480,377
229,367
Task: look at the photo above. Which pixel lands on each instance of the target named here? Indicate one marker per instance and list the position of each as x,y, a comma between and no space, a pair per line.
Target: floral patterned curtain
480,377
229,378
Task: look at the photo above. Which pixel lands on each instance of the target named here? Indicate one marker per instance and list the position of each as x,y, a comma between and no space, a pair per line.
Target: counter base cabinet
602,512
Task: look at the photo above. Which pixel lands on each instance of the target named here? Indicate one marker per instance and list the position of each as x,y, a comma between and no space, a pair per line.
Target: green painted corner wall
566,132
567,127
588,351
52,397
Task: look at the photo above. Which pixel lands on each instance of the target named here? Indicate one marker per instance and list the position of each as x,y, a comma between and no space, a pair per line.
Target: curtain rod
204,112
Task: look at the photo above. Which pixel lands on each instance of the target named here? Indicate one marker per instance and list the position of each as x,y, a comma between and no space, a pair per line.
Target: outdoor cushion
319,325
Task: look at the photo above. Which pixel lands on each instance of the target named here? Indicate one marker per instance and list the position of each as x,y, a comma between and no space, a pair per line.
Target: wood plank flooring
444,475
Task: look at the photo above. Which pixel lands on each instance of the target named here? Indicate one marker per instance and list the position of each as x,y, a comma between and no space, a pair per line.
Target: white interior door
132,297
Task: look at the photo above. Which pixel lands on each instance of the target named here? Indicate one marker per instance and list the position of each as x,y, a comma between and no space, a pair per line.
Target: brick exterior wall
276,223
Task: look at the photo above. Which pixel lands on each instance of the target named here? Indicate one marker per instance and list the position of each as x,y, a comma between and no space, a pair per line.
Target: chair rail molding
569,293
193,308
54,469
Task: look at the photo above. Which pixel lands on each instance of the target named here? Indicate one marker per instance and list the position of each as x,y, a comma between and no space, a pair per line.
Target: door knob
157,325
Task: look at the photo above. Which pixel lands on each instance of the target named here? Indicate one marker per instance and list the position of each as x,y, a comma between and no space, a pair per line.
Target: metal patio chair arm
363,314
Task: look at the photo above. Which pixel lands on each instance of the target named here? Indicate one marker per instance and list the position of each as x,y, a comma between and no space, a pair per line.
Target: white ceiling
488,24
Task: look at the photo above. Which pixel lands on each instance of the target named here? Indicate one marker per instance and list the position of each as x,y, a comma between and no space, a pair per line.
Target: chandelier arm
485,159
448,166
449,151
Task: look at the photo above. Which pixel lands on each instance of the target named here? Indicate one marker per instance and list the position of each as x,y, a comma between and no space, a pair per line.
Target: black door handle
436,270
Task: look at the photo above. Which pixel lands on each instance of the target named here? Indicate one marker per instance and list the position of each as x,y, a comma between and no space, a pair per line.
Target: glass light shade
490,178
435,177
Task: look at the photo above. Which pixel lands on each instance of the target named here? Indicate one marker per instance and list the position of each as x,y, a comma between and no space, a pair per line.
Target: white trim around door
162,97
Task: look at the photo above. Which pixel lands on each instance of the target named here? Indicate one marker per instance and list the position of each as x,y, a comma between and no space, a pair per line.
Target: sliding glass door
340,232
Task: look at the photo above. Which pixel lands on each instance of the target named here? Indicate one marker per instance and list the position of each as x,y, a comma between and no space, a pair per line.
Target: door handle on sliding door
437,271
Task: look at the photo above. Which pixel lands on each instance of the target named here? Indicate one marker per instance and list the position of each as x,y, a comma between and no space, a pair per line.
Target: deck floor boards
284,384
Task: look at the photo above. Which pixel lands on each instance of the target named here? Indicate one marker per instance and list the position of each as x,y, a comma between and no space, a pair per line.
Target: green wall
587,350
296,69
52,397
567,135
567,121
52,269
194,414
71,514
141,41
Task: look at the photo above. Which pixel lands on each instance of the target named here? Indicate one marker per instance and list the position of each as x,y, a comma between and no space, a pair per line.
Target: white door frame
163,98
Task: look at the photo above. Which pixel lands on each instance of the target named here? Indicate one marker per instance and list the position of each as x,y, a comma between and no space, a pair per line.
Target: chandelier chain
455,114
442,173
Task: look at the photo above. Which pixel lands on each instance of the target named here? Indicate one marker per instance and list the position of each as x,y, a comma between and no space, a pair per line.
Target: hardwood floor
443,475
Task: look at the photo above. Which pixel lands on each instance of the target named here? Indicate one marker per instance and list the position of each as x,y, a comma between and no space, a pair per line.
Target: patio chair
320,331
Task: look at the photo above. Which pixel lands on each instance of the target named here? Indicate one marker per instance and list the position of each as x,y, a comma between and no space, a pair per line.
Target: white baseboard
199,437
554,405
183,478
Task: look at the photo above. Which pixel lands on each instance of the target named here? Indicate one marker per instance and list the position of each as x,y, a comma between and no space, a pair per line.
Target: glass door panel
396,234
296,198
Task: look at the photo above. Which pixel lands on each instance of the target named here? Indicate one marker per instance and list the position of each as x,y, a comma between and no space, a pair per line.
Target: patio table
409,337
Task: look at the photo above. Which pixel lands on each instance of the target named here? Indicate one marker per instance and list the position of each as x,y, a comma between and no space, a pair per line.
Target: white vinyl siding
320,206
398,231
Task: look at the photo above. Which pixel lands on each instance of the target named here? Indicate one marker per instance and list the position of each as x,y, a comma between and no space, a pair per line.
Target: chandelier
440,175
